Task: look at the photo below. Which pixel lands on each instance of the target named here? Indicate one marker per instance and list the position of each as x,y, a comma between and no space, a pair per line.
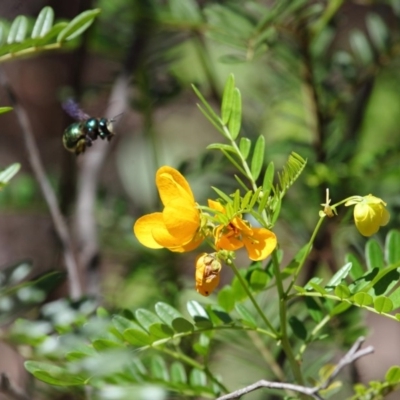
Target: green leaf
78,25
338,277
197,378
43,23
158,368
244,147
383,304
258,157
340,308
268,178
357,271
314,309
239,293
395,298
210,113
167,313
178,373
298,328
258,279
121,323
105,344
146,318
181,325
227,99
160,331
392,247
53,374
222,195
18,30
137,337
317,287
342,291
221,315
292,267
3,110
8,173
235,120
226,298
222,147
374,255
199,314
378,31
362,299
361,48
387,282
392,376
246,316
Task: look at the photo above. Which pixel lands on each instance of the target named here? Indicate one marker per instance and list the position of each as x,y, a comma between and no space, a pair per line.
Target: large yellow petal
171,185
261,244
143,229
181,219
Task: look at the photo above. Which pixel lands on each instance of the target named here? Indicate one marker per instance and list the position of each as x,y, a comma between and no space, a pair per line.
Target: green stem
306,253
311,338
30,50
283,319
195,364
253,300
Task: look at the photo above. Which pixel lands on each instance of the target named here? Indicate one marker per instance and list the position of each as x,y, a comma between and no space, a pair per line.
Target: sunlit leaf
78,25
374,254
227,99
53,374
392,246
235,119
362,299
258,157
393,375
18,30
339,276
43,23
226,298
383,304
245,146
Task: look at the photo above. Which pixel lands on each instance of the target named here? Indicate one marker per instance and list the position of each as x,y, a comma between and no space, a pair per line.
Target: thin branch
75,288
10,389
352,355
92,162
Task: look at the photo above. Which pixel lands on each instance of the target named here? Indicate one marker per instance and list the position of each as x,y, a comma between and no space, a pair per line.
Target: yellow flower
259,242
207,273
369,213
177,226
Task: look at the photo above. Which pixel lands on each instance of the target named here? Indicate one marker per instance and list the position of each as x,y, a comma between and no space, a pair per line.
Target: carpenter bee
82,134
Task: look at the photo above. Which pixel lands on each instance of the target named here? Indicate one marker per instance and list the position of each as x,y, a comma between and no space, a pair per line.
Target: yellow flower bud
369,214
208,268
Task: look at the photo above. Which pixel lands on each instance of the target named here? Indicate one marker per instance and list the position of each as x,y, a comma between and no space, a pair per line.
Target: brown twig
75,288
352,355
85,222
10,389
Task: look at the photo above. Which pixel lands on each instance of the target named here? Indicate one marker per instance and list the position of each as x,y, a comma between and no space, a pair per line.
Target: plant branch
75,286
10,390
352,355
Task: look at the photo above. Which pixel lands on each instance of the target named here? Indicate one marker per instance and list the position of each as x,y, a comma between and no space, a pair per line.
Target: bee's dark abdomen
74,138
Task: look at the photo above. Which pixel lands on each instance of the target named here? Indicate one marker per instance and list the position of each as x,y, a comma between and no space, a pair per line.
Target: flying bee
82,134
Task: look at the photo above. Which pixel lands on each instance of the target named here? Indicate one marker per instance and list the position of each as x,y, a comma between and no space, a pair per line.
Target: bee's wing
72,108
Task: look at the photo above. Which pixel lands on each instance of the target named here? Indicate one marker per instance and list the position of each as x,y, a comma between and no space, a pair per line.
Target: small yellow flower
207,273
177,226
259,242
369,213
